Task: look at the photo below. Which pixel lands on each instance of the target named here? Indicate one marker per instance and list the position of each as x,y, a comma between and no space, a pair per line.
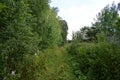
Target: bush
100,61
32,67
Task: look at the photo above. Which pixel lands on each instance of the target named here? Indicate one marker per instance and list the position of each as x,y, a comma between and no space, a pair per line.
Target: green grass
50,64
57,65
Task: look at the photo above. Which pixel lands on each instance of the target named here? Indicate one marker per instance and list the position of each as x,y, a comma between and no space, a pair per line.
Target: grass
57,65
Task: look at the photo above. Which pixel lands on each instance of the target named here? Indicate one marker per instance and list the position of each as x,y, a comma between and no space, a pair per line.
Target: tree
107,23
64,29
46,23
26,27
118,6
106,19
16,37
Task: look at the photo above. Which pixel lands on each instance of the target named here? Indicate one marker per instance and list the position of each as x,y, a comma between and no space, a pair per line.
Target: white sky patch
79,13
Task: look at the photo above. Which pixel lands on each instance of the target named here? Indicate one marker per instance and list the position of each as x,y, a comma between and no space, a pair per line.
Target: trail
58,65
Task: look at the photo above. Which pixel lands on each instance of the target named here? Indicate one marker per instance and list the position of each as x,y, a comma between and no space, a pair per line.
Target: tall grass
51,64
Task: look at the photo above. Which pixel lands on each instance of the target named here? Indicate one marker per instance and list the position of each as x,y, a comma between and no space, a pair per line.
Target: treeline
26,28
95,50
106,23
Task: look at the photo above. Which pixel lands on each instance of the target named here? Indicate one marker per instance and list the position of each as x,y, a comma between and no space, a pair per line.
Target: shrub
100,61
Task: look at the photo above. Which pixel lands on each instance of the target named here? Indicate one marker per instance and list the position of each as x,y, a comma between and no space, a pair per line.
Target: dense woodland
34,46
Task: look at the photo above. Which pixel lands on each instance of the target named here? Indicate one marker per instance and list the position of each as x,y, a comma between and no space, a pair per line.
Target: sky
79,13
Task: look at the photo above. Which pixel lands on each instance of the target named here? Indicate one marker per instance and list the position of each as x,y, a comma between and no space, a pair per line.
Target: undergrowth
95,61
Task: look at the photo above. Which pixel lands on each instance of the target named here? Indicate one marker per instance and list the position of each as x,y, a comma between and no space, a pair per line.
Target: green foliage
1,7
52,32
45,23
96,61
101,37
106,20
106,23
64,28
87,34
26,26
44,66
17,38
32,67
